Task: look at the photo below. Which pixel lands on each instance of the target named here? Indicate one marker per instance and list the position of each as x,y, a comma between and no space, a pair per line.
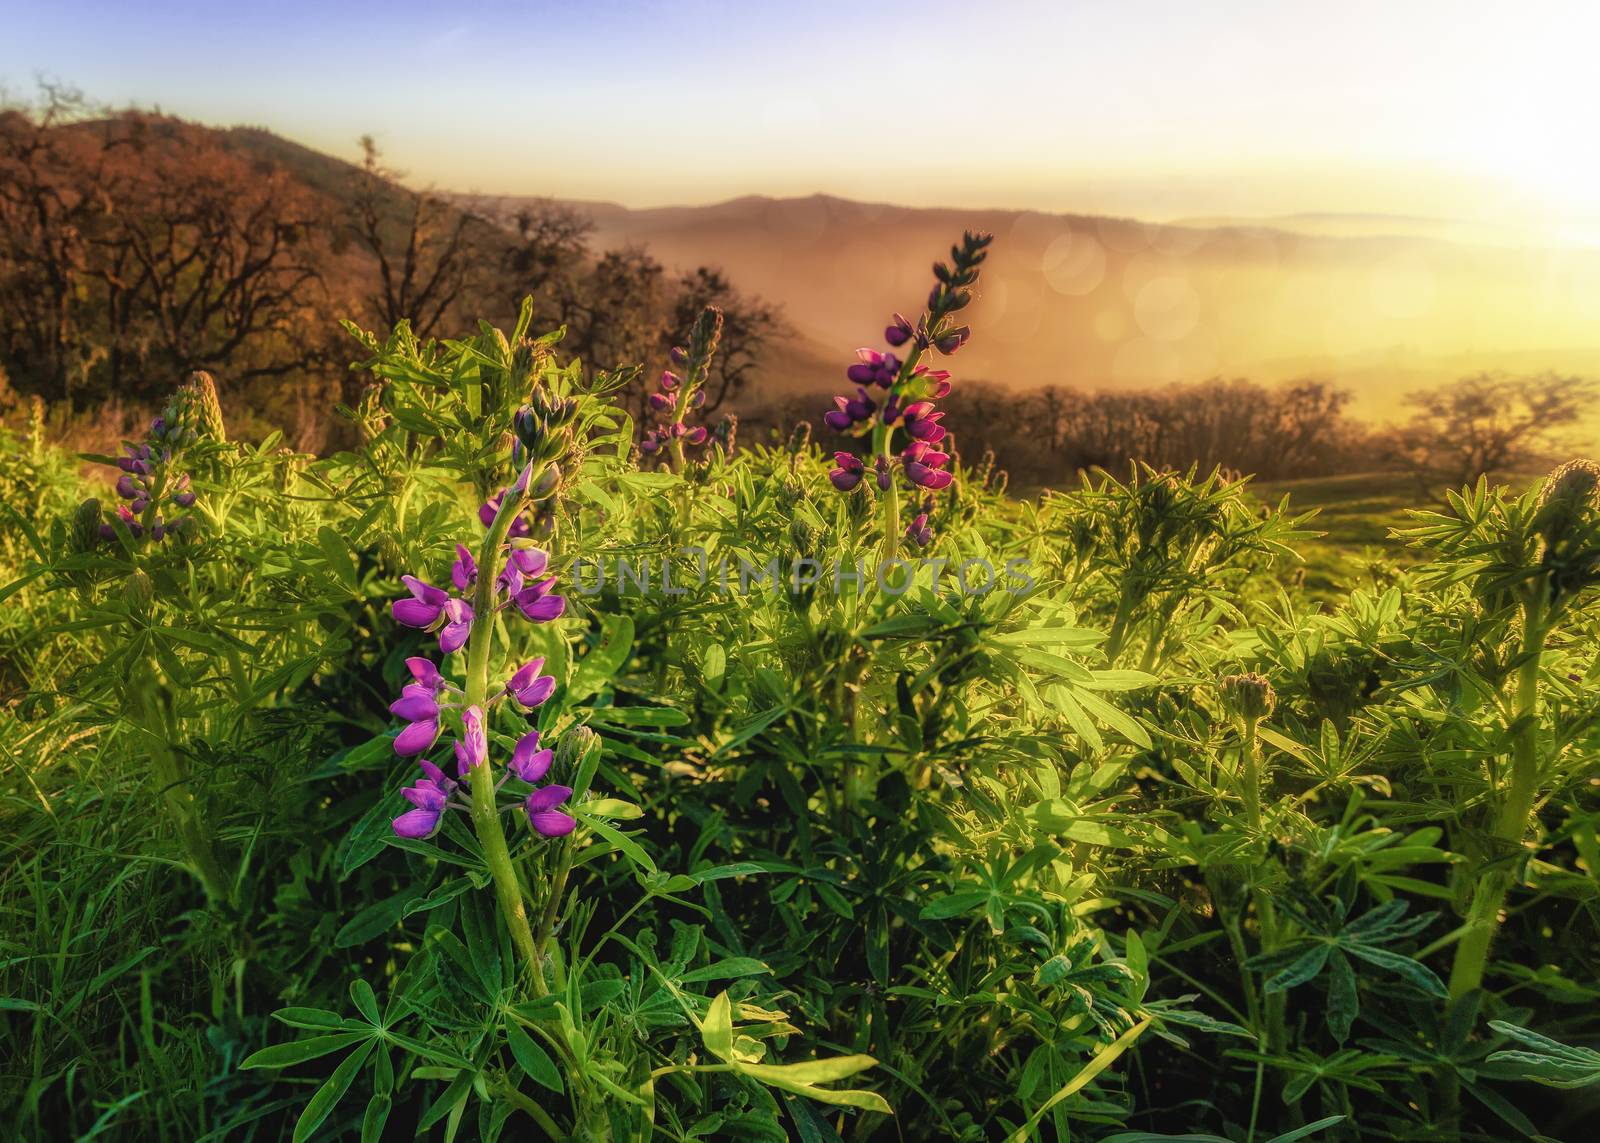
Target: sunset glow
1157,109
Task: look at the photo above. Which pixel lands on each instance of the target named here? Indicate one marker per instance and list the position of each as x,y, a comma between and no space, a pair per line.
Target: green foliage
1139,843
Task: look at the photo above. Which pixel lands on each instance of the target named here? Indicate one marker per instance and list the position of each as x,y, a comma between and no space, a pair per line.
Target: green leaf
310,1018
717,1027
1305,968
330,1093
953,904
596,668
298,1052
728,969
377,1115
534,1061
630,848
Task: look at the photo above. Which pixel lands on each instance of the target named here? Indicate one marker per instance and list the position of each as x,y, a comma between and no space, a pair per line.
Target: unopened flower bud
86,526
139,592
575,744
1248,697
545,487
1570,492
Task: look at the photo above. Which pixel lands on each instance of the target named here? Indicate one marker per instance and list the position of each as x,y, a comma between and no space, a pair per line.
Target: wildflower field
524,773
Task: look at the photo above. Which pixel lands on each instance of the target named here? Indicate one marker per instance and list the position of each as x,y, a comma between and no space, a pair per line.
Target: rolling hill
1379,306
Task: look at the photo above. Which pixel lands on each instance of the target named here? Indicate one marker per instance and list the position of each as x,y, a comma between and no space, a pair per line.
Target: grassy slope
1356,514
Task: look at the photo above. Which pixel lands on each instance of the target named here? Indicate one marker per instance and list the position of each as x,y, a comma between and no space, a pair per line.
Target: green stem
485,808
552,907
1511,821
192,833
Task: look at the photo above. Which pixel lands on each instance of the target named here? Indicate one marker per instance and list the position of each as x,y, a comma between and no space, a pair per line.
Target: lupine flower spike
681,392
912,388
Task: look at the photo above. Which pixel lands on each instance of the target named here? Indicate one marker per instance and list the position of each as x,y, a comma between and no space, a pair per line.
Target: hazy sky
1155,108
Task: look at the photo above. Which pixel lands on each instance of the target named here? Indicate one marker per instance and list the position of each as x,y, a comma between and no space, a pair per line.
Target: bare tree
422,244
1488,423
136,248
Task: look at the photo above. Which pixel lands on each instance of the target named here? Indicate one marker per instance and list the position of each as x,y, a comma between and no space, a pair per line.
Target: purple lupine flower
884,471
924,466
491,509
952,340
847,472
528,686
529,562
669,381
419,707
546,820
918,531
528,762
424,607
874,368
899,331
464,572
660,402
850,411
472,748
537,603
425,674
430,796
457,627
922,422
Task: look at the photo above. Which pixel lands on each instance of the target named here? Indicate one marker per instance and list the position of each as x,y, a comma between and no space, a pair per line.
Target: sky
1479,110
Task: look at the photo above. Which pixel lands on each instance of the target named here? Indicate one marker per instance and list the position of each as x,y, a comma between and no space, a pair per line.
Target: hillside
1093,301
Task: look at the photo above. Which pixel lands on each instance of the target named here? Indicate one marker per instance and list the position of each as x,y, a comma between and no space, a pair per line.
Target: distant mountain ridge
1108,302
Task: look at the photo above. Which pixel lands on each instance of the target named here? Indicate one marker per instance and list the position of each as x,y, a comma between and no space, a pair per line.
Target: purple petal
536,692
548,798
525,674
427,593
531,562
414,612
465,570
424,672
416,738
543,610
528,762
415,704
436,775
552,823
454,636
416,823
